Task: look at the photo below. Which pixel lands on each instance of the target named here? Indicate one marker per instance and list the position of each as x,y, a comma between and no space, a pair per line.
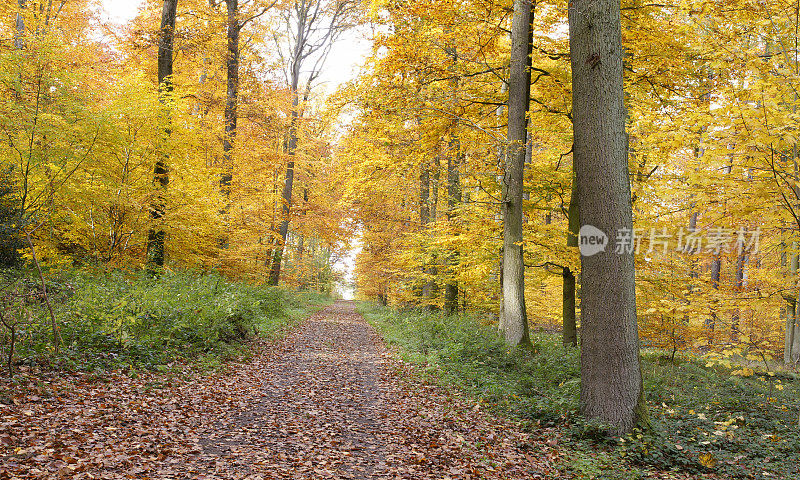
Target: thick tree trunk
611,377
156,236
514,323
569,321
501,155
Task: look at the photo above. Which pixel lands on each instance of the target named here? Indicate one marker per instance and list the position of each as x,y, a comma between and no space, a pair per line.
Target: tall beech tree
235,22
166,41
611,377
514,321
234,29
313,27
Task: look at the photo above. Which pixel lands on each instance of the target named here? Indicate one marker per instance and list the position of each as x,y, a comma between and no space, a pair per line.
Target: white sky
120,11
344,60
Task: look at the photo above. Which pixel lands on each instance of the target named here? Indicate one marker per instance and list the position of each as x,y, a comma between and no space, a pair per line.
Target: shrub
705,419
117,318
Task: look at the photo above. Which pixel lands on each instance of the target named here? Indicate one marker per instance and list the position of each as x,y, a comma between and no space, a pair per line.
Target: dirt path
328,402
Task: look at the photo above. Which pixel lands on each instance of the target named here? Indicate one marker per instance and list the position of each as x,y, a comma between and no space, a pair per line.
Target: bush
705,419
541,386
108,319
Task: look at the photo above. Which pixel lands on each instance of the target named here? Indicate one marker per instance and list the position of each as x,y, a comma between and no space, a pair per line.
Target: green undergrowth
706,421
111,320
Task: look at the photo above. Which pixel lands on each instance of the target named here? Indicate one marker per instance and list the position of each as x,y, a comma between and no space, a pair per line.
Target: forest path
328,401
333,404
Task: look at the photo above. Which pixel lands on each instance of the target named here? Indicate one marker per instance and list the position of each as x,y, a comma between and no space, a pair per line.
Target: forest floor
327,401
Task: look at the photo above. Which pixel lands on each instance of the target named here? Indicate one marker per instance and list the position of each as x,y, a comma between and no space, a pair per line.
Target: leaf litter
328,401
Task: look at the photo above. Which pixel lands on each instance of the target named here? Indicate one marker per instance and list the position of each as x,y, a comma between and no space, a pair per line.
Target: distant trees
312,28
93,135
459,203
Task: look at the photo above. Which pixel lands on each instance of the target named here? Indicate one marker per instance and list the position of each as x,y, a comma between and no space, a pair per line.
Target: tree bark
716,271
514,324
231,95
741,263
156,236
19,27
454,194
288,185
424,219
453,200
611,377
569,321
429,291
791,353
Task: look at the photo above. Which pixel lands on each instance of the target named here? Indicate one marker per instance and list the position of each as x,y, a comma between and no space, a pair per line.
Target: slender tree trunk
156,236
784,309
424,219
741,262
514,323
301,283
453,200
454,195
19,30
288,184
791,352
716,271
231,95
793,336
569,321
430,290
611,377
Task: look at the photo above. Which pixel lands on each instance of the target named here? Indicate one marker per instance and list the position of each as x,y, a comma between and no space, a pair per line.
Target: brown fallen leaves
327,402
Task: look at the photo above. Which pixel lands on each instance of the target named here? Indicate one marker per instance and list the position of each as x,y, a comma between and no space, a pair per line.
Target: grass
705,420
109,320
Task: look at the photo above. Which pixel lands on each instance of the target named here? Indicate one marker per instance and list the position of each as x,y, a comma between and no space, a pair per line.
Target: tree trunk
453,200
741,262
430,290
793,334
791,353
232,94
611,377
453,188
19,30
569,322
288,184
426,288
156,235
514,323
711,322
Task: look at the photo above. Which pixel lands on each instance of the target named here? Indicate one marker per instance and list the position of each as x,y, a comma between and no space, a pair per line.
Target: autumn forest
520,239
